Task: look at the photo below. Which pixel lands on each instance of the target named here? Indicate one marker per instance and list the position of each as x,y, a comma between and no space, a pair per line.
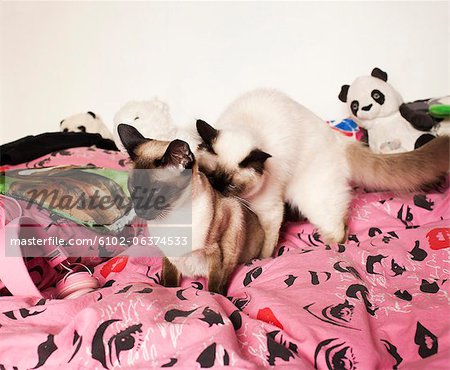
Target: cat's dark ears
131,138
207,133
255,160
376,72
177,154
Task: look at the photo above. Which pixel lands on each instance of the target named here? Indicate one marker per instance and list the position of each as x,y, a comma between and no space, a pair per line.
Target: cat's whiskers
244,202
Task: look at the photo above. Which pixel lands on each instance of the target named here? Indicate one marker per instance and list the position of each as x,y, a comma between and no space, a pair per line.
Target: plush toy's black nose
367,107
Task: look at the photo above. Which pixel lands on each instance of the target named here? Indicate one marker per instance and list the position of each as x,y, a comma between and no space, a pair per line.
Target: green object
439,110
93,197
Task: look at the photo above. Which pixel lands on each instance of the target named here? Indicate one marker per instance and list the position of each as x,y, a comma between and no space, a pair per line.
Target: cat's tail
403,171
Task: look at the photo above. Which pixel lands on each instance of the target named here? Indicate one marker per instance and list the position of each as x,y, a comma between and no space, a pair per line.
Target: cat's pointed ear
207,132
343,93
131,138
177,154
378,73
255,160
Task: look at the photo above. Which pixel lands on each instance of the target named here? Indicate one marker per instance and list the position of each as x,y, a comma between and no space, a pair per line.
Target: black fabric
32,147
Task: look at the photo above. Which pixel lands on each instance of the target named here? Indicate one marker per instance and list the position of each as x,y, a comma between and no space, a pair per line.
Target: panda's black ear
92,114
378,73
343,93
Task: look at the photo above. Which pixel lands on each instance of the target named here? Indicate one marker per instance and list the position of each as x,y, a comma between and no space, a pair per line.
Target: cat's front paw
337,236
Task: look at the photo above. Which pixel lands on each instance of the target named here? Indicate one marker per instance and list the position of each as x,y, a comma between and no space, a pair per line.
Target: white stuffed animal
88,122
152,118
377,107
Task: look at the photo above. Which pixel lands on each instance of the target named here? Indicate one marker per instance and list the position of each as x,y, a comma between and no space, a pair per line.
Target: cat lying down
225,233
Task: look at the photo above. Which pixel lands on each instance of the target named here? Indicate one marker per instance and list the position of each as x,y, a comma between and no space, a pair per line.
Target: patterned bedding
379,301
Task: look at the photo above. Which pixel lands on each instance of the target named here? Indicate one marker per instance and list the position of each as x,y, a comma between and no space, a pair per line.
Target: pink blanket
379,301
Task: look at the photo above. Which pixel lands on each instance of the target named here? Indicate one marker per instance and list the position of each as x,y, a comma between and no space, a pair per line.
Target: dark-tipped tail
403,171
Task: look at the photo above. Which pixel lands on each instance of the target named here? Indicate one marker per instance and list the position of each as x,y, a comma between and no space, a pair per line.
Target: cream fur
308,167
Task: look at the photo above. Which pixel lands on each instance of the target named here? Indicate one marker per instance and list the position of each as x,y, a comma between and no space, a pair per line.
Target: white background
62,58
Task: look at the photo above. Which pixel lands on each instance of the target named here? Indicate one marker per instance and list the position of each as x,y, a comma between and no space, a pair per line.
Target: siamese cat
268,149
224,232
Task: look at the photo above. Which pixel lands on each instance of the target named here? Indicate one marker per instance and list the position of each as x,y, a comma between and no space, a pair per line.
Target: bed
379,301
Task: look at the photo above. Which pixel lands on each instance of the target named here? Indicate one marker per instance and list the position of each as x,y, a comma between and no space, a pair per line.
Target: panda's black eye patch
82,128
66,130
378,96
135,118
354,107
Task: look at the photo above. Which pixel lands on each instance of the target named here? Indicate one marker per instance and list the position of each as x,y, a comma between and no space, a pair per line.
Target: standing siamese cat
224,232
267,149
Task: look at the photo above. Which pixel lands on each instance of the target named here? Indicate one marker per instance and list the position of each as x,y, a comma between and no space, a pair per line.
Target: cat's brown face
160,171
233,165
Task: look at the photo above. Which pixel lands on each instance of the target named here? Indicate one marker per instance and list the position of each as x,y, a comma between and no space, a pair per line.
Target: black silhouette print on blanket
180,295
339,314
371,261
315,276
349,269
212,317
172,314
279,348
24,313
417,253
207,357
289,281
172,362
236,319
406,217
405,295
375,231
252,275
45,350
352,292
124,340
396,268
421,200
426,340
334,354
241,302
392,350
78,340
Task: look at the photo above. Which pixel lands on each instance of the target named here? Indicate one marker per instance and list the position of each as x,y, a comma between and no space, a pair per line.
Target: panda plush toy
378,108
87,122
153,119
